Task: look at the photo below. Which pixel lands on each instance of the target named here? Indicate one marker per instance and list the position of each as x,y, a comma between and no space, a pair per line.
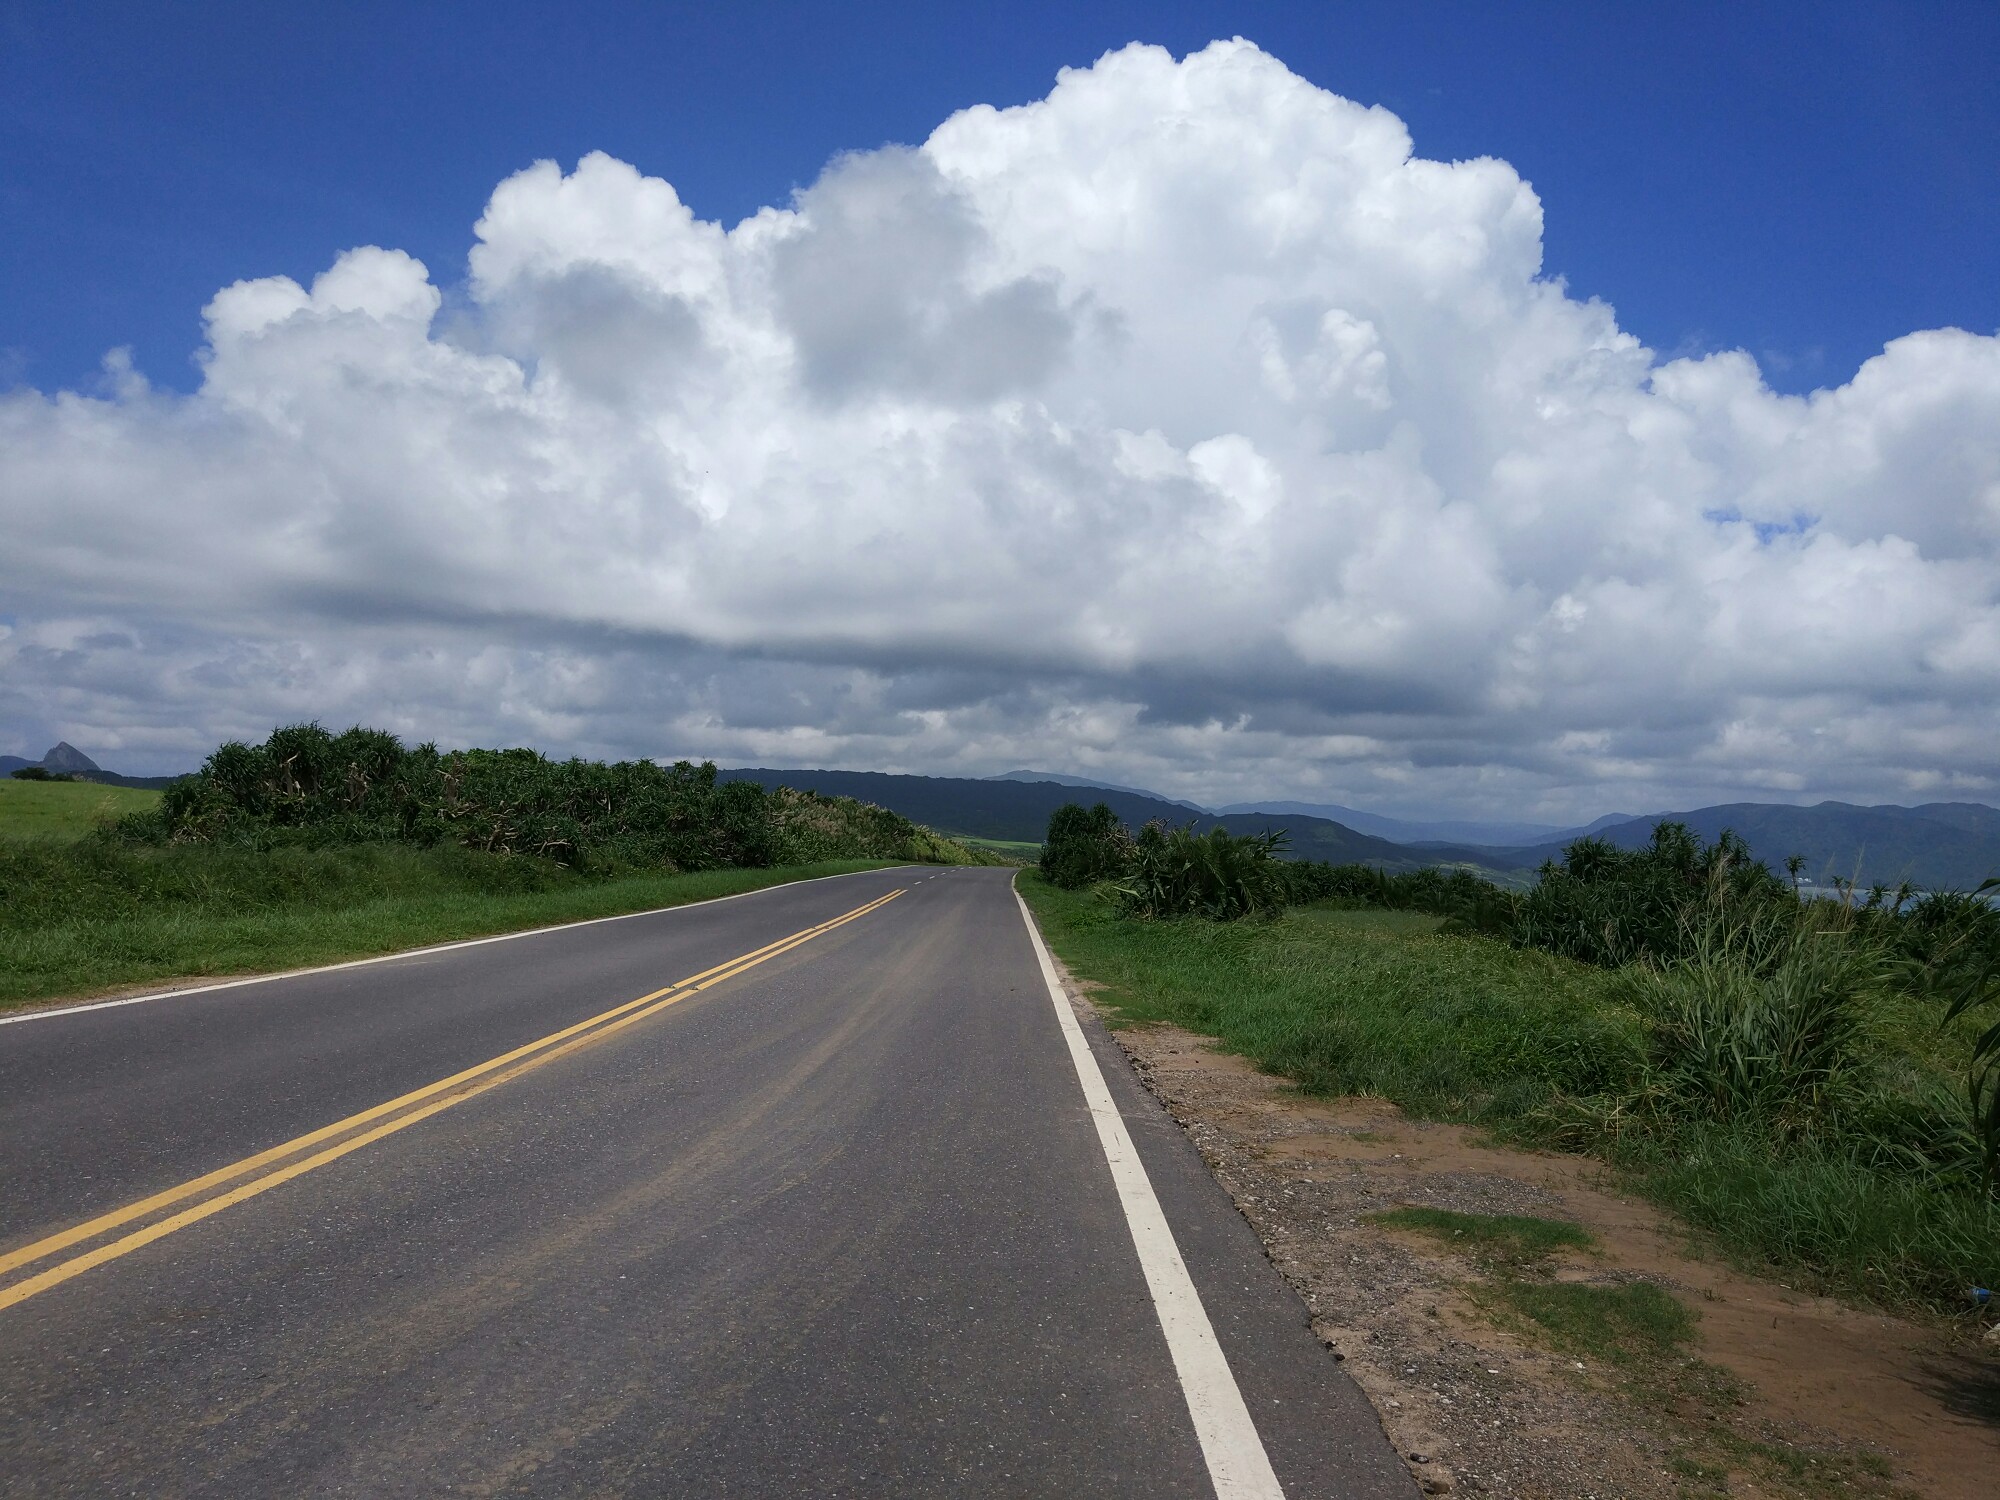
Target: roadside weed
1509,1239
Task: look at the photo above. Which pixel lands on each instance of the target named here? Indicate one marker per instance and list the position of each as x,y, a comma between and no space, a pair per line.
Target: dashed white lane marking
1238,1466
387,958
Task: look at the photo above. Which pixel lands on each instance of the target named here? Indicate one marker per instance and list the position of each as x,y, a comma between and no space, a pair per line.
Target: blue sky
1515,410
1805,181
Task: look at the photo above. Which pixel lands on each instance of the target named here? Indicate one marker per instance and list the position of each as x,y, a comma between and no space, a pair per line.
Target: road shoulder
1783,1393
1323,1437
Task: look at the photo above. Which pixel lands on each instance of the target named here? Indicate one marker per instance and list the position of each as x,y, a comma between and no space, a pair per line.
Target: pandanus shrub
1176,872
1611,906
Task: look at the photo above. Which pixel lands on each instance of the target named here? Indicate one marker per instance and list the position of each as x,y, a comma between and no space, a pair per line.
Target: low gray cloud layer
1183,425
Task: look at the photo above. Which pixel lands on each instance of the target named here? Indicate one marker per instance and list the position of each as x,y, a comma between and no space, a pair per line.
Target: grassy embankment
1549,1051
314,848
188,912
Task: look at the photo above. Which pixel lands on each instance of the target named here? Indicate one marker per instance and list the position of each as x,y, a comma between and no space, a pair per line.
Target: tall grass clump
1761,1019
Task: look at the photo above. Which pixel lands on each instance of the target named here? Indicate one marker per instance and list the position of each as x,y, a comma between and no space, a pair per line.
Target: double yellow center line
298,1156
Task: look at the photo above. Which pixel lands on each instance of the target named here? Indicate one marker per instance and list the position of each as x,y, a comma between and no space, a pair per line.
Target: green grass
1019,851
1640,1332
1514,1239
1644,1338
1629,1324
1811,1208
1361,1002
65,809
1390,923
126,917
1545,1051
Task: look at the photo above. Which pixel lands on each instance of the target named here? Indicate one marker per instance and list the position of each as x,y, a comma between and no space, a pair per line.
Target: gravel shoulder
1783,1394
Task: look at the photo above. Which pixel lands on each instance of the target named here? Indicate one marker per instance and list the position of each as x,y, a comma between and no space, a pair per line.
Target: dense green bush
1167,871
1084,845
1612,906
1756,1003
46,883
305,786
315,846
1473,903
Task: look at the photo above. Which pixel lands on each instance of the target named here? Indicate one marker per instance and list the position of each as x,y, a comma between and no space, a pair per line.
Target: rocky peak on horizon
66,757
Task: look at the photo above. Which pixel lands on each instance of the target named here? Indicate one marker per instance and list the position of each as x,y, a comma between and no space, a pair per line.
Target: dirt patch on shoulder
1796,1395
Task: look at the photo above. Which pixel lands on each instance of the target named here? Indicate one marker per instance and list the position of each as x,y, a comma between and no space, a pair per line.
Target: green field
65,809
1016,851
1551,1052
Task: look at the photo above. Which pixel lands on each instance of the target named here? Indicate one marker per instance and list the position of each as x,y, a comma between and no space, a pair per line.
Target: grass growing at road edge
1518,1239
329,906
1543,1050
1629,1324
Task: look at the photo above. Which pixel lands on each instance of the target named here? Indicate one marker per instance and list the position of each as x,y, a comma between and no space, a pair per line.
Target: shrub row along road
796,1193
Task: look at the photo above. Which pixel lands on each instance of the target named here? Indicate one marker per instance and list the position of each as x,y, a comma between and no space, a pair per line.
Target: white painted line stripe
1238,1466
385,958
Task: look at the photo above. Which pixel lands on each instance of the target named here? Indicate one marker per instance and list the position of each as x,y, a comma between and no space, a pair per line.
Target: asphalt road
840,1223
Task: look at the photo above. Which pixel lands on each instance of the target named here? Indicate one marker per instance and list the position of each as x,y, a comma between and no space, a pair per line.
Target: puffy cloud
1184,424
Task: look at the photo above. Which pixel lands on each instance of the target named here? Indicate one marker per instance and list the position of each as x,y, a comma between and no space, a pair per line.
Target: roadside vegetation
1007,851
1813,1080
314,847
1505,1240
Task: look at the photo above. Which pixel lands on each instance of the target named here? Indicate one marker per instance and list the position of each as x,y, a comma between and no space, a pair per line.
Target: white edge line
1238,1466
54,1011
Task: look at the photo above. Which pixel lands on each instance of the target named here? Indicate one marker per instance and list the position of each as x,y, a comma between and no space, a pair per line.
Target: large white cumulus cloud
1184,423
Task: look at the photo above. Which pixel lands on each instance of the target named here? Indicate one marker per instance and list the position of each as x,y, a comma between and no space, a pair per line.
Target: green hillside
1942,845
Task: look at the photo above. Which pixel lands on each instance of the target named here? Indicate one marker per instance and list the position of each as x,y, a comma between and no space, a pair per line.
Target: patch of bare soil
1811,1398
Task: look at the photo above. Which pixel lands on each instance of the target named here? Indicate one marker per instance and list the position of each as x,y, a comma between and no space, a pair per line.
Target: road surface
798,1193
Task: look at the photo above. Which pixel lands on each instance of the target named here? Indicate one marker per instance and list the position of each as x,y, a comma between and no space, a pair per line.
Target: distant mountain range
1403,831
1107,786
1004,808
995,809
64,759
1941,844
1395,830
1947,845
